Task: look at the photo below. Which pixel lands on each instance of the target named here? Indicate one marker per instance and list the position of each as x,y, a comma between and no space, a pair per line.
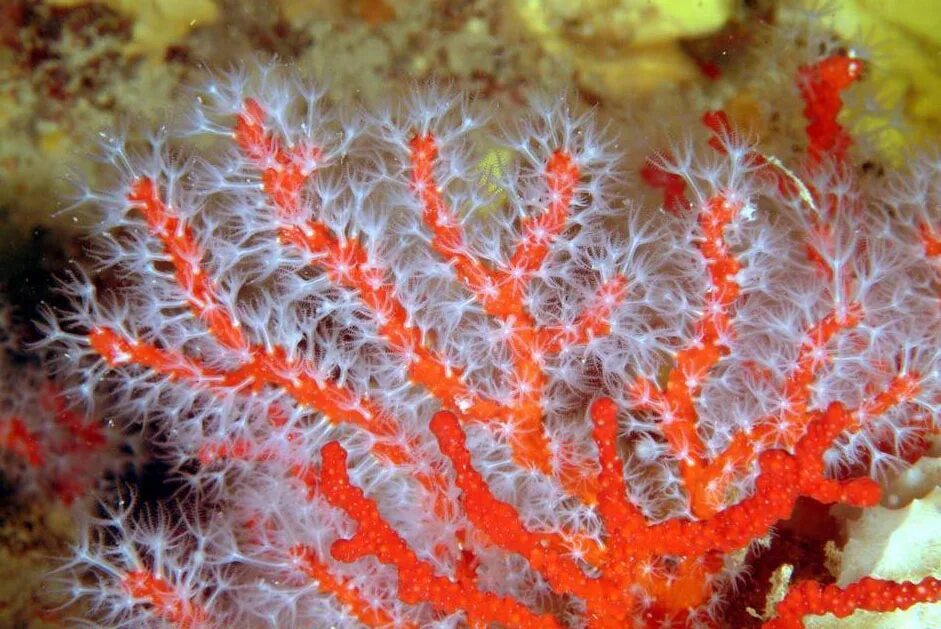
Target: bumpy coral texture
573,411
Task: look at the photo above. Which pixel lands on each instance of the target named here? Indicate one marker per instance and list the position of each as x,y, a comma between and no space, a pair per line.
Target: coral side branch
180,244
166,603
15,437
417,581
820,85
869,594
344,591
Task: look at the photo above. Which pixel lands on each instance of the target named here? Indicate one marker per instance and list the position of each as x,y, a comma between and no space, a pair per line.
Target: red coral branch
167,603
869,594
821,85
16,438
417,581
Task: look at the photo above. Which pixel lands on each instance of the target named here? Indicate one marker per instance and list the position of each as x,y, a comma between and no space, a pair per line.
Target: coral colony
395,397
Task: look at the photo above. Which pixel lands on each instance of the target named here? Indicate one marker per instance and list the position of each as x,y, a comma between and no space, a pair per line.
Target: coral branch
672,184
165,602
342,589
15,437
337,404
875,595
562,175
821,84
180,244
489,286
417,581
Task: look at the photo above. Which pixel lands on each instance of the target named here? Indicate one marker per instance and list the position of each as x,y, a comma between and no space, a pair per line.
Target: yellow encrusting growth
158,24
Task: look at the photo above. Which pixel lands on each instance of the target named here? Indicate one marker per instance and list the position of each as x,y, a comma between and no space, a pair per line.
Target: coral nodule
387,409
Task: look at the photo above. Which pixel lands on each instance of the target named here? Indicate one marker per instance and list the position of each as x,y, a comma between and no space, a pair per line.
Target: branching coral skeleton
380,398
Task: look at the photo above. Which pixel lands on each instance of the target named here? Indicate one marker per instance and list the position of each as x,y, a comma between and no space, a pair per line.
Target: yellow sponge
158,24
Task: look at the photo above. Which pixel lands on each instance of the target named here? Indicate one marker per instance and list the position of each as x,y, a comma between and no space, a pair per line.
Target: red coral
756,348
821,84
